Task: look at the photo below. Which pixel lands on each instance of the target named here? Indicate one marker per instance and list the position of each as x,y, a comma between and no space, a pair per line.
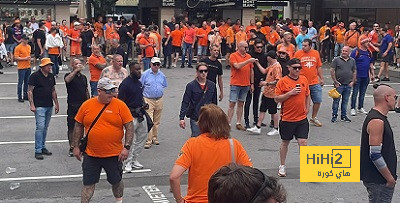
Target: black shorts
91,167
375,55
223,47
176,49
37,53
86,51
388,58
268,104
297,129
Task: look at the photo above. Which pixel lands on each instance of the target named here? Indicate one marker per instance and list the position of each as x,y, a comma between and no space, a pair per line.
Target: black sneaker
247,125
345,119
46,152
385,79
190,66
228,67
71,152
21,100
39,156
334,119
182,66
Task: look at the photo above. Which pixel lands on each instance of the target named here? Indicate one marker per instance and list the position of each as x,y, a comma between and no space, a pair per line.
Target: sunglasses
110,91
156,64
263,186
296,67
259,47
203,71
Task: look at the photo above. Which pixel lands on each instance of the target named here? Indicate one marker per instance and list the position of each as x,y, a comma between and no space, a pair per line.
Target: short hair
214,46
41,24
213,120
384,29
308,41
253,184
258,41
132,64
201,64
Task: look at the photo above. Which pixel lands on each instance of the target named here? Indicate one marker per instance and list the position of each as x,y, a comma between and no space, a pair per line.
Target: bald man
378,152
242,80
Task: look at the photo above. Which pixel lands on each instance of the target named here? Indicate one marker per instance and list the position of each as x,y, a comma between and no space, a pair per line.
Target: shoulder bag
84,140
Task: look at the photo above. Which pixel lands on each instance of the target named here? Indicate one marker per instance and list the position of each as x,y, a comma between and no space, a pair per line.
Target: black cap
293,61
24,37
271,54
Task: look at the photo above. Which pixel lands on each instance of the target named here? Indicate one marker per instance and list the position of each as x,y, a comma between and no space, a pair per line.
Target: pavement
57,178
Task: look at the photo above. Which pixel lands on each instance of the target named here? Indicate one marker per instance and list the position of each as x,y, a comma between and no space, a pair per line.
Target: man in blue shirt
312,34
387,55
154,82
301,37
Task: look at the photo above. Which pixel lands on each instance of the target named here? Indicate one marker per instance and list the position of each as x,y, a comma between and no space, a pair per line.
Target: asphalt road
57,178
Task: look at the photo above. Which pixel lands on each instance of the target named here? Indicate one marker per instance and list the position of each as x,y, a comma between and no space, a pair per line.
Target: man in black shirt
41,94
124,37
77,90
87,37
259,54
39,39
378,163
118,49
283,58
215,70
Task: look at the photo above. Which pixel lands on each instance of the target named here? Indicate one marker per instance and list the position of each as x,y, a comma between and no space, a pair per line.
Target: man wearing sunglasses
378,162
294,94
198,93
154,82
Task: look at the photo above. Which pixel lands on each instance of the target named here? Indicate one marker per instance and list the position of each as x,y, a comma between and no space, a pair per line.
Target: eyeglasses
296,67
203,71
263,186
281,52
259,47
156,64
110,91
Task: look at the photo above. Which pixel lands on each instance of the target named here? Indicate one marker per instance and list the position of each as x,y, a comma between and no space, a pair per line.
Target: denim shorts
238,93
201,50
10,47
316,93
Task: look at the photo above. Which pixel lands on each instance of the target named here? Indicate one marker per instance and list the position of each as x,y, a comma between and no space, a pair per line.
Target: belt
157,98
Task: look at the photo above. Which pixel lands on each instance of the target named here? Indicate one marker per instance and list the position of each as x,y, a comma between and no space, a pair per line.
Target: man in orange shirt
290,48
202,41
105,149
108,29
339,39
177,37
222,32
242,80
373,37
98,28
189,36
312,69
250,27
351,36
22,54
294,94
240,36
147,45
230,43
96,64
75,37
272,38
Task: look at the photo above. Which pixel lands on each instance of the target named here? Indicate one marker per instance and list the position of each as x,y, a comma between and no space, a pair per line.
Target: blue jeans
55,69
42,117
23,77
187,48
93,88
379,193
146,63
360,86
194,127
345,91
338,49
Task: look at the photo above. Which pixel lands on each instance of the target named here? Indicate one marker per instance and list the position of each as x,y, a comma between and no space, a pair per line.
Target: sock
276,128
258,126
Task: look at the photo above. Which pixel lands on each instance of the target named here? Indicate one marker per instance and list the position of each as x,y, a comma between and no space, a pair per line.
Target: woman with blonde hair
205,154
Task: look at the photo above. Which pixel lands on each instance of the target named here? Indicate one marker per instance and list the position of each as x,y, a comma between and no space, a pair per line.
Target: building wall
165,14
247,15
62,13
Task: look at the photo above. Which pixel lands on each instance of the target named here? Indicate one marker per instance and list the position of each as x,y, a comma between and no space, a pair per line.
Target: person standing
115,72
312,34
39,40
131,92
177,37
301,37
365,73
77,91
215,70
147,45
386,50
105,149
312,69
22,54
189,36
154,82
242,81
87,37
75,37
339,39
96,64
343,73
108,29
42,93
378,157
202,41
167,45
294,94
351,36
54,44
198,93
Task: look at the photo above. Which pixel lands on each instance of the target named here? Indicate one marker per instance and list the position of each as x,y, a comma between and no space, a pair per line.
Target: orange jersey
167,31
240,37
351,38
23,51
274,72
75,34
202,41
373,38
203,156
294,108
223,29
273,37
236,28
109,28
290,49
322,31
159,41
94,71
248,28
240,77
230,35
177,37
98,27
310,62
147,52
339,35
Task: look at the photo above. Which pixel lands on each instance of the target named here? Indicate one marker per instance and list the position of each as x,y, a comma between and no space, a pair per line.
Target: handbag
84,140
149,122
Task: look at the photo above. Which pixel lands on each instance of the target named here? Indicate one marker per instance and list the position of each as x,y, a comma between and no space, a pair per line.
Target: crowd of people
278,60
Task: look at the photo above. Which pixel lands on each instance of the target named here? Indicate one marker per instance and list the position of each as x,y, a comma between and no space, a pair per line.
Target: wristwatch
128,147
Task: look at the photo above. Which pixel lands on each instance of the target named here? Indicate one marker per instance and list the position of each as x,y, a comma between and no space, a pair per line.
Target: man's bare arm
128,133
78,134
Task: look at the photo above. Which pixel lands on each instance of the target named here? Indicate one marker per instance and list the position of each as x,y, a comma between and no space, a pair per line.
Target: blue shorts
238,93
316,93
201,50
10,47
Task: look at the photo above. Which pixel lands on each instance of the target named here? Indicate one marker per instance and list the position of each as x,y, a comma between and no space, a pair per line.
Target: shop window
366,15
9,12
301,10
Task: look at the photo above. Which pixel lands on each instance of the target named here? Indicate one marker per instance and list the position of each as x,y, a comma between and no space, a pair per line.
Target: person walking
54,44
386,50
42,93
22,54
96,64
147,45
189,37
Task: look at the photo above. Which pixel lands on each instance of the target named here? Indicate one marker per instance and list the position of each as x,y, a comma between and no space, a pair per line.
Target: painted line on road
15,83
60,177
155,194
23,117
14,73
31,142
393,83
15,98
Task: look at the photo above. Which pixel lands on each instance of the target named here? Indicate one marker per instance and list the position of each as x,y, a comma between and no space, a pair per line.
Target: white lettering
155,194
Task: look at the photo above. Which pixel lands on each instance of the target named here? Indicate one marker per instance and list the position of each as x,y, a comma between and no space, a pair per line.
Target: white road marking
60,177
31,142
23,117
155,194
393,83
14,72
15,98
15,83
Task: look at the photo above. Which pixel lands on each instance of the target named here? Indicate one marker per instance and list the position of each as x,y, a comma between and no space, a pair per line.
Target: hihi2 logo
329,164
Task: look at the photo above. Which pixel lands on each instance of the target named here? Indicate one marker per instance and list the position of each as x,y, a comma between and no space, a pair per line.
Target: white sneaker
174,65
273,132
15,63
61,67
137,165
34,68
254,130
362,110
128,167
282,171
353,112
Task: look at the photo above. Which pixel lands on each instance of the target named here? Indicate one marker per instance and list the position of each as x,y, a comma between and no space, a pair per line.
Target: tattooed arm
128,141
78,134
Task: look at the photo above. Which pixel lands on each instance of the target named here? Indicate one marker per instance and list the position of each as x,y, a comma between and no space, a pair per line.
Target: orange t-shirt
1,36
230,35
48,24
148,52
340,35
159,40
106,135
203,156
65,29
273,37
322,31
177,37
23,51
248,28
290,49
310,62
202,41
223,29
374,38
109,30
274,72
94,71
240,77
296,30
240,37
98,27
167,31
294,108
351,39
236,28
75,34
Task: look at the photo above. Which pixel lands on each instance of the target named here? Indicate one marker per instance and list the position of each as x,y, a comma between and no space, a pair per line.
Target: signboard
329,164
36,1
249,4
168,3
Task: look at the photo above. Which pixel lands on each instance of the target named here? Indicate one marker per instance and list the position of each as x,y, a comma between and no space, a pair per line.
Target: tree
102,7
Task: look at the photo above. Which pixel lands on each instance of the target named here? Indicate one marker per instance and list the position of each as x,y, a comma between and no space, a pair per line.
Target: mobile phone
297,85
